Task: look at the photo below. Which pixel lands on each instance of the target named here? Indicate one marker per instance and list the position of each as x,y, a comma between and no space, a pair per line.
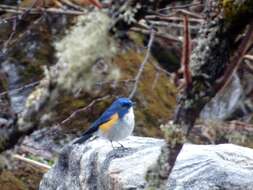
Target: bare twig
189,13
96,3
28,9
172,18
236,59
40,165
15,23
20,36
172,25
185,12
157,75
14,26
186,52
76,112
114,82
157,34
137,78
22,10
249,57
20,89
160,69
181,6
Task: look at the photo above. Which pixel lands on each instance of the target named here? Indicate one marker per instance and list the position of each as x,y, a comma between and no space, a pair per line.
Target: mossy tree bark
209,64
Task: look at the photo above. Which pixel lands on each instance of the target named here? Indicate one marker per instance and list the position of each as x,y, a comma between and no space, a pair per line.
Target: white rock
213,167
95,165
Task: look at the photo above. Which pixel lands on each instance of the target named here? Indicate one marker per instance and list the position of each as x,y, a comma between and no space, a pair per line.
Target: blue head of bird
122,105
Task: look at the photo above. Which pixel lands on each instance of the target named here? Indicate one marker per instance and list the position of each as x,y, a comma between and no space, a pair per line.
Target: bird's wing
104,122
106,126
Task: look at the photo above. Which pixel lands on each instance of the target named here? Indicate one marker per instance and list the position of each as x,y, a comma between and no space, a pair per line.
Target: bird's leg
94,137
121,145
112,145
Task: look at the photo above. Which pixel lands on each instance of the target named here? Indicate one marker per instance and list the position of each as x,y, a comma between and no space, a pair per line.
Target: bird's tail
86,135
83,138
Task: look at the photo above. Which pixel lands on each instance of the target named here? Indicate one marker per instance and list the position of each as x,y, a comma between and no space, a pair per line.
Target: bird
115,124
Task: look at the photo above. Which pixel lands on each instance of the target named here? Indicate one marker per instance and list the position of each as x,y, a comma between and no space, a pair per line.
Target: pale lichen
84,59
85,46
174,134
156,175
129,12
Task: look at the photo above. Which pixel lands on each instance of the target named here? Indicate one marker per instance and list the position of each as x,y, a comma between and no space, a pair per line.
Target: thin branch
20,36
40,165
181,6
14,91
171,25
75,113
26,12
172,18
157,76
159,68
249,64
96,3
236,59
157,34
186,52
189,13
180,12
137,78
249,57
14,26
67,3
22,10
124,82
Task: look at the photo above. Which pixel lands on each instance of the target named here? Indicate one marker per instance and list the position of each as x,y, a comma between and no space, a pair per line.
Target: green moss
32,71
137,38
3,83
155,102
9,182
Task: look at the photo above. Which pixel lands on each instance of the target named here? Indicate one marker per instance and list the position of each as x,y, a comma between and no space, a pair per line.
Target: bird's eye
125,105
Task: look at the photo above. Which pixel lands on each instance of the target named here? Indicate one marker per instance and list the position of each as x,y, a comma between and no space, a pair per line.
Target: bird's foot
118,147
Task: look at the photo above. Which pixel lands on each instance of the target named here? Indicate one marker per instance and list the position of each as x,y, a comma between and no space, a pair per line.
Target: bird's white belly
122,129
